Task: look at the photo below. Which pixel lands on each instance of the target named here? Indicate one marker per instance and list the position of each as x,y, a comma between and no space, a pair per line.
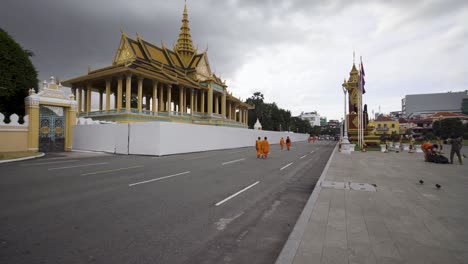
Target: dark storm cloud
68,36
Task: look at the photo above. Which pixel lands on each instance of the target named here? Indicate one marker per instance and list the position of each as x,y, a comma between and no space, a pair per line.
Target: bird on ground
438,186
421,181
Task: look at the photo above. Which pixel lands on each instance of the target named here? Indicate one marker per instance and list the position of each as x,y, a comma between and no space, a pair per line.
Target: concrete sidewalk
398,221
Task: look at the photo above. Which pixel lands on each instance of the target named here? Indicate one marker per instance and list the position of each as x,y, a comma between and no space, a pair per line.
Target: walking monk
265,148
258,146
282,143
288,143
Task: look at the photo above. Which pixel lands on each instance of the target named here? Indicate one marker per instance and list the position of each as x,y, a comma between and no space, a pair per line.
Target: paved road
211,207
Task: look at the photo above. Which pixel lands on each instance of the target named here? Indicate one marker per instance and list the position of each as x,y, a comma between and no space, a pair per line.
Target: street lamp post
345,141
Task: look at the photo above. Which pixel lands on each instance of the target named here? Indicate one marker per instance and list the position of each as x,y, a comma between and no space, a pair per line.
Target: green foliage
395,136
430,136
274,118
270,115
448,127
17,75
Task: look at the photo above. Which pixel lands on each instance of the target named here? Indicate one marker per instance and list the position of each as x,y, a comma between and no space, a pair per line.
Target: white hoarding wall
165,138
111,138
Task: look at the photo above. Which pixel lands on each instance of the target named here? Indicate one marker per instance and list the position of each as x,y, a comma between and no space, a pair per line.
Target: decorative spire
184,46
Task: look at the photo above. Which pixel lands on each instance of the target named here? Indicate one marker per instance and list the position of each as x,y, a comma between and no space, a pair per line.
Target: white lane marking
199,157
286,166
158,179
223,222
45,163
113,170
232,161
303,156
77,166
312,151
237,193
239,151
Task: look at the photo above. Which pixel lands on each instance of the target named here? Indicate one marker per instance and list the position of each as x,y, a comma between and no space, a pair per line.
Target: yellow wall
389,124
13,141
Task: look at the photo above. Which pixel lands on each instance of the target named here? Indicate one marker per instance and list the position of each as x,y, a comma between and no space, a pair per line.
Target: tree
269,114
446,128
17,75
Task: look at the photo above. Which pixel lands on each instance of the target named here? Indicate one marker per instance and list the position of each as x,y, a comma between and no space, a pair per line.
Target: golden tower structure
352,123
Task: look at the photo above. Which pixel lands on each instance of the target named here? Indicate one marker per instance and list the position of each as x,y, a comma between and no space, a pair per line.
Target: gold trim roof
181,65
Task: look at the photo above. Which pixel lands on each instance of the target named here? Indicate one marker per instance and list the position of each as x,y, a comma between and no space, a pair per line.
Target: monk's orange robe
288,144
258,147
282,144
265,148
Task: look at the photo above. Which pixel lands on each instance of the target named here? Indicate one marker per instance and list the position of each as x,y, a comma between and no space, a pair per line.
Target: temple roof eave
134,69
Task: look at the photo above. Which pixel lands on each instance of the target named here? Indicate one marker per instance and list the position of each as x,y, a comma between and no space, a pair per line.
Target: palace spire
184,46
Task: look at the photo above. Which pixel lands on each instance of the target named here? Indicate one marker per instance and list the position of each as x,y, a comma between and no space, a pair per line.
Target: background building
386,125
323,121
312,117
426,104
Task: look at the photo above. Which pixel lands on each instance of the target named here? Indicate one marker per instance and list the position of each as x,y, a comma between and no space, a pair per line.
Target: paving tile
402,222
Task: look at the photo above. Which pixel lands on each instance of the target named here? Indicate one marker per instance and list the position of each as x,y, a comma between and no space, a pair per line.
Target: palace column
88,97
181,99
83,99
196,101
140,93
119,93
184,108
223,104
241,113
210,100
216,103
161,97
234,109
128,93
78,99
169,99
108,91
114,95
155,95
101,100
192,91
247,117
202,104
148,102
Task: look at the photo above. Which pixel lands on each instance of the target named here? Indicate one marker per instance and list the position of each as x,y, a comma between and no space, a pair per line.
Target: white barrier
165,138
111,138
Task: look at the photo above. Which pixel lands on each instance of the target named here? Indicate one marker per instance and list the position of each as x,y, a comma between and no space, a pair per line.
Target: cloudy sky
296,52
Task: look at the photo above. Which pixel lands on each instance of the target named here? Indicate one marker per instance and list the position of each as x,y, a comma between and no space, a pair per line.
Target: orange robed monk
288,143
258,146
265,148
282,143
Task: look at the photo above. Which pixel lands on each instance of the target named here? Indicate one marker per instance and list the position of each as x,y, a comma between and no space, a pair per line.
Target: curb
294,240
91,151
25,158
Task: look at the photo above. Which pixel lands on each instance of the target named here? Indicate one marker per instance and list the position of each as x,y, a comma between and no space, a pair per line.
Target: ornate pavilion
168,85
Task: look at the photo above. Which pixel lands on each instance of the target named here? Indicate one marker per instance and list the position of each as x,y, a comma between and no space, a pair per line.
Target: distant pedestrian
288,143
282,143
456,147
265,148
258,147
